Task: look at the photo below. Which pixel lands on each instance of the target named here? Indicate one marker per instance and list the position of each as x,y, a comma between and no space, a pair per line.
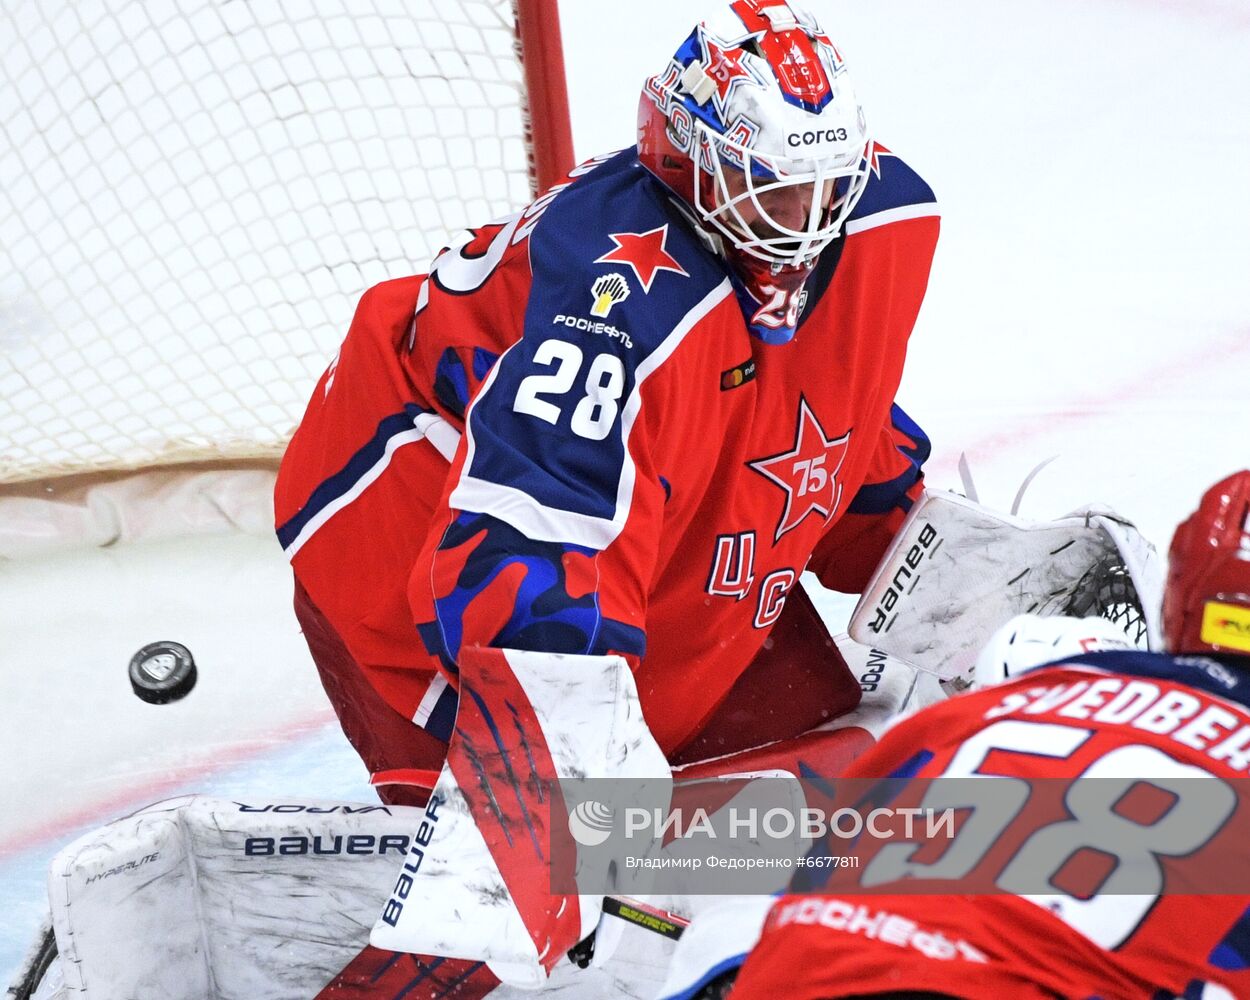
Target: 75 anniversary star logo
808,472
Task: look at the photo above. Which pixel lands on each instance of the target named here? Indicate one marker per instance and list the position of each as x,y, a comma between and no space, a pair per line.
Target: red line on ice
1147,385
176,782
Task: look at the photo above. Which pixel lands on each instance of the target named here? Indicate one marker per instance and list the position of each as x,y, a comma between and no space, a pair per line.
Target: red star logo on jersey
645,253
726,69
808,472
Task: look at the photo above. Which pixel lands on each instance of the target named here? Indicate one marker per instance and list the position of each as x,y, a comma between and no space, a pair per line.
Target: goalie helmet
755,127
1206,603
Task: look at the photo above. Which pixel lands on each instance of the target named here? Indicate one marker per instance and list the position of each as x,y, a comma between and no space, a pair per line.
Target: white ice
1090,300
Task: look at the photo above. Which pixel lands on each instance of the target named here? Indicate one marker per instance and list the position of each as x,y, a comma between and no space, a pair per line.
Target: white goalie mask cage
783,212
776,177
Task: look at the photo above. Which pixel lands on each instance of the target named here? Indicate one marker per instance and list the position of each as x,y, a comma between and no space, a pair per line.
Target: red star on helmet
807,472
645,253
725,68
823,39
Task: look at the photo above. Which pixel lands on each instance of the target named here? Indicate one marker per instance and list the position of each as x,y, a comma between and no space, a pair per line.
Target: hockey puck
162,672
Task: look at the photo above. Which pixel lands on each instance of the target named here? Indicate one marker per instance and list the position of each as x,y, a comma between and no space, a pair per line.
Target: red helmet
1206,604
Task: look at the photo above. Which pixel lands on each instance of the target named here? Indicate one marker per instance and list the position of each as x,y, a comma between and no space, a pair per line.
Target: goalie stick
36,965
375,974
663,922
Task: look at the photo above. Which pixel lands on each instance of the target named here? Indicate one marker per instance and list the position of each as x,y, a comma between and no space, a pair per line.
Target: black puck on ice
162,672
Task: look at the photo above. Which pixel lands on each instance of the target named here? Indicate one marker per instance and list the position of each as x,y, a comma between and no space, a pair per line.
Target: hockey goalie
548,507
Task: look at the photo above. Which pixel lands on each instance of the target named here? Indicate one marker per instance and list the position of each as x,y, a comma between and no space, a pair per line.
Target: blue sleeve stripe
363,468
880,498
443,719
919,452
437,712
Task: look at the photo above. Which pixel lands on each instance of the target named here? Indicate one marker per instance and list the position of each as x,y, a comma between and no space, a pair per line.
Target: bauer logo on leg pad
328,844
416,854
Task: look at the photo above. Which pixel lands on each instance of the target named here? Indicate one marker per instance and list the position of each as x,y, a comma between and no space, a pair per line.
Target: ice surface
1089,300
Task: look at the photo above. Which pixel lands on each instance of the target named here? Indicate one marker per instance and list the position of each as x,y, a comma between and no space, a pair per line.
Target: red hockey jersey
1147,858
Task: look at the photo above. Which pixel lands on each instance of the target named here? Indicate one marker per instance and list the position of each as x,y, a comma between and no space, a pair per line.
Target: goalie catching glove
476,883
957,571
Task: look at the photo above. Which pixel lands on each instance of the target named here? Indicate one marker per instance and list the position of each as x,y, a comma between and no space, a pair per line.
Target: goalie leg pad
476,883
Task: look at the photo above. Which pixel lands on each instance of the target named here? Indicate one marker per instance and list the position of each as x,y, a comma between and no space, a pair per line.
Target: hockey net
1108,591
194,193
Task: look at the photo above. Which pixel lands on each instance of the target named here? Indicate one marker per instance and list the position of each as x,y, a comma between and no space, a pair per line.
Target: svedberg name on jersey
1188,717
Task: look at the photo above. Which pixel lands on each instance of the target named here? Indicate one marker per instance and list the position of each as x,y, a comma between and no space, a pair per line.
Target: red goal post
549,130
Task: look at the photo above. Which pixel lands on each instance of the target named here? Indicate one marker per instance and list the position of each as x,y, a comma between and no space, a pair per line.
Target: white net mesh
194,193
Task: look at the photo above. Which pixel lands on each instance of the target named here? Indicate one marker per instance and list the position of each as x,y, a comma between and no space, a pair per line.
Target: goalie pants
352,557
801,660
385,740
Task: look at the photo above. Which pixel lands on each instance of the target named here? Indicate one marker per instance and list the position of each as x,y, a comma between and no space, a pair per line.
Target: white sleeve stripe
435,691
441,434
528,516
900,214
550,524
